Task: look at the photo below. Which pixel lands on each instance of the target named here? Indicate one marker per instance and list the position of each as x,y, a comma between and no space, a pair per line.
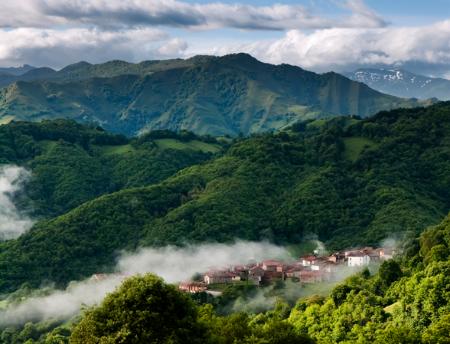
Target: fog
171,263
174,264
12,222
59,304
177,264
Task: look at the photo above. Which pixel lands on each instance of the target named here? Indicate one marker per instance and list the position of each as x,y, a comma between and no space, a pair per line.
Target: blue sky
319,35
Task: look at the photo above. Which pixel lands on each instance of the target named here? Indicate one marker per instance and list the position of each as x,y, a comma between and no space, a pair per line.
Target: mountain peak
402,83
75,66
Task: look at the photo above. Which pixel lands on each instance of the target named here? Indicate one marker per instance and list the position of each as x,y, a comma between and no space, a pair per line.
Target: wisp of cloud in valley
12,222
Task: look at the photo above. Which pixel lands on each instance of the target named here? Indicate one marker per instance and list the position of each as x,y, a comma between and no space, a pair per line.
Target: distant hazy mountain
402,83
208,95
16,71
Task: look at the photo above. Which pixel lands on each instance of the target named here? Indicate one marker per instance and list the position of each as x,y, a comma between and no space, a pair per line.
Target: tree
390,272
439,332
143,310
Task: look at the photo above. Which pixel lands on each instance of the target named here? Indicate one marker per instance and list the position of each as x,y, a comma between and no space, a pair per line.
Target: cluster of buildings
307,269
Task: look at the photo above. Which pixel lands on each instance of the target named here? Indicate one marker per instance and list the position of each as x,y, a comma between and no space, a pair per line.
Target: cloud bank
172,13
425,48
171,263
56,33
60,47
12,222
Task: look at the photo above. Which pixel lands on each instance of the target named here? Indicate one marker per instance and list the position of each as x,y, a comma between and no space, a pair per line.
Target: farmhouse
218,276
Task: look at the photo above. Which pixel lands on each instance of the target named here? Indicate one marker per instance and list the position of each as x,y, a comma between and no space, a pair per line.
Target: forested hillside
225,95
348,181
72,164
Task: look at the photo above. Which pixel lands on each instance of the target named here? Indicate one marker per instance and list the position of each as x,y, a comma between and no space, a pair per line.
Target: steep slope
401,83
72,164
207,95
350,182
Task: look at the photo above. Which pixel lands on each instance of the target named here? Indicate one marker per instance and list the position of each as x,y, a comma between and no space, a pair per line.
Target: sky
318,35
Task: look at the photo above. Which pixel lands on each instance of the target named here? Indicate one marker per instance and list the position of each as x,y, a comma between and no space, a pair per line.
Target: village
309,269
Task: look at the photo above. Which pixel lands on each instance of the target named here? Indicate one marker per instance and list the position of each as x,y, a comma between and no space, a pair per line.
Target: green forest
347,181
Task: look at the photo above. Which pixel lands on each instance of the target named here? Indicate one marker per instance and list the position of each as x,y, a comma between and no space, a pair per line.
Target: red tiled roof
272,262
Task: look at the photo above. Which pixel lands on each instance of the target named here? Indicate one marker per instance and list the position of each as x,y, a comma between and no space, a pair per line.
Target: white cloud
60,32
61,47
12,222
343,49
174,47
132,13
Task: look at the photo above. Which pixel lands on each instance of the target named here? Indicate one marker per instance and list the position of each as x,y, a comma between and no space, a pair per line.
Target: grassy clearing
122,149
391,308
318,123
47,145
192,145
355,145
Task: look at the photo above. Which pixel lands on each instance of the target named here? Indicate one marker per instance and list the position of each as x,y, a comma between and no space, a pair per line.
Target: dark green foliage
142,310
411,309
45,332
339,294
390,271
72,164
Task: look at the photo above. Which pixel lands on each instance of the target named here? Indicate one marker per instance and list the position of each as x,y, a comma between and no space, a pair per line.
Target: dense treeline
406,301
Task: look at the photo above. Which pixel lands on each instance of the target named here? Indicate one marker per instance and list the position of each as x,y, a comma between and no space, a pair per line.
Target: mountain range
401,83
229,95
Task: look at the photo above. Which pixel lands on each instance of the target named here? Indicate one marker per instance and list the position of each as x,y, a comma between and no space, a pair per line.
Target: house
319,263
355,259
337,257
217,276
256,274
308,260
192,287
294,271
271,276
310,276
272,265
241,271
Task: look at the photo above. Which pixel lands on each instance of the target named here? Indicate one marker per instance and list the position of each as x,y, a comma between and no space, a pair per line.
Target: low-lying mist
12,222
174,264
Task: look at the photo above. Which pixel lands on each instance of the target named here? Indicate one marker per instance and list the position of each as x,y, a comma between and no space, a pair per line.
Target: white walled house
358,260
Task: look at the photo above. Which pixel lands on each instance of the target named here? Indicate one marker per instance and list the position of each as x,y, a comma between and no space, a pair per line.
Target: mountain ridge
229,95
